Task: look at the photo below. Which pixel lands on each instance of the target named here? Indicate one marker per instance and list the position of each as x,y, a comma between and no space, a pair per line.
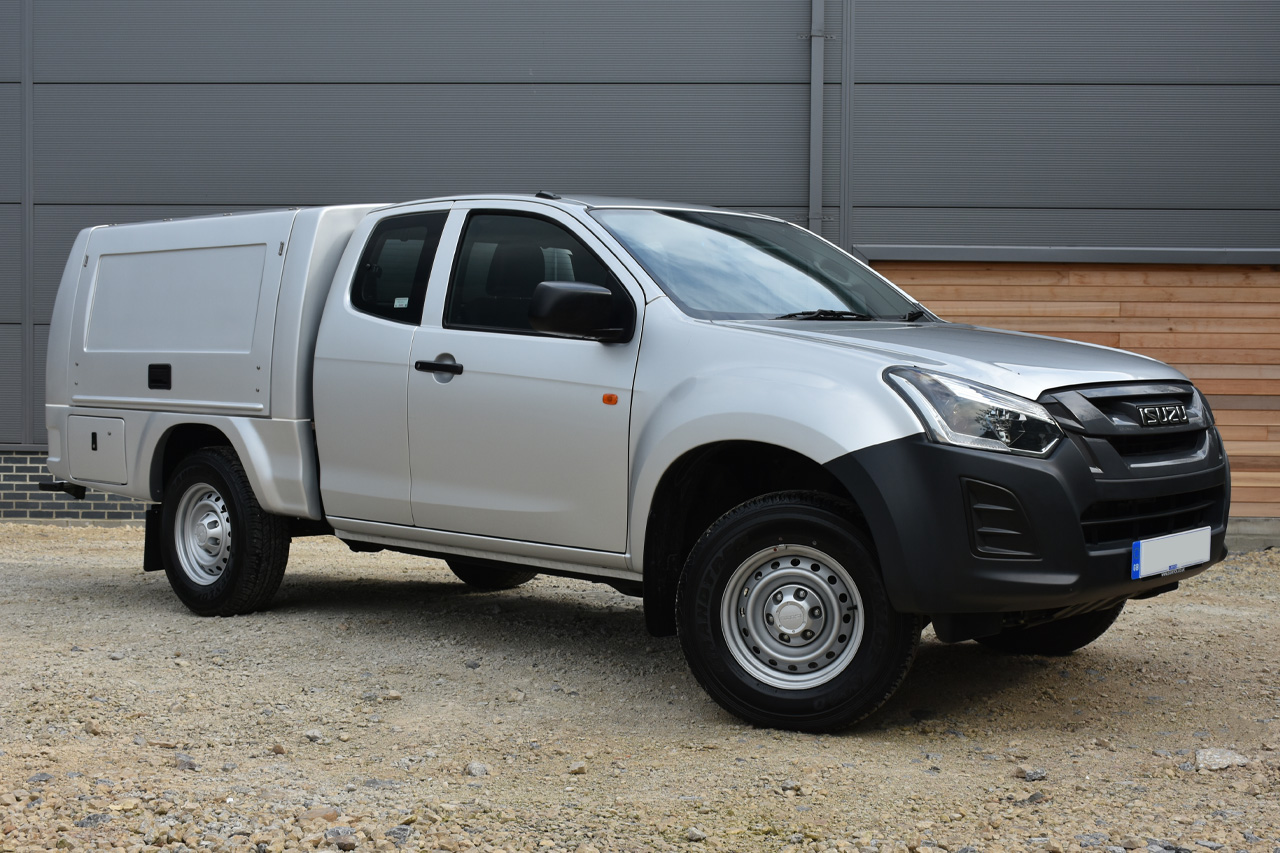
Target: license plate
1172,553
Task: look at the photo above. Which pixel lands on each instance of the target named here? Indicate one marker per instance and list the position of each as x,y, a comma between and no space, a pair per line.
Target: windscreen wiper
912,316
825,314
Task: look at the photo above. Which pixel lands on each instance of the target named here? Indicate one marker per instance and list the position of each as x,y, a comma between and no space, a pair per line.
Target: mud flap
152,547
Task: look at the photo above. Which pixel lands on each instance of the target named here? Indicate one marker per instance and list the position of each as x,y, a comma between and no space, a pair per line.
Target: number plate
1172,553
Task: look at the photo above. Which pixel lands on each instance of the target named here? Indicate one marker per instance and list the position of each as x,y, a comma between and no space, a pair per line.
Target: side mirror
576,309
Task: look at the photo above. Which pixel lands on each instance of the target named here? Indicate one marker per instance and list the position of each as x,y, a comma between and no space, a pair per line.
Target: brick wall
21,499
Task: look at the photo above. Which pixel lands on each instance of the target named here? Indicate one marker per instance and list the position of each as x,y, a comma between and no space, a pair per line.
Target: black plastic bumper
964,531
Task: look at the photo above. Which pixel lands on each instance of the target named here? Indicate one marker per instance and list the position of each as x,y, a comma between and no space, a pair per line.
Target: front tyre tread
259,549
807,523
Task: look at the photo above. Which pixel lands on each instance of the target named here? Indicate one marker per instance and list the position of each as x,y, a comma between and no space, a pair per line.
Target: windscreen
724,266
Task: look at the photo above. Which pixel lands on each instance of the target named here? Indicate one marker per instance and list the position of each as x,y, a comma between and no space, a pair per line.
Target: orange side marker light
611,399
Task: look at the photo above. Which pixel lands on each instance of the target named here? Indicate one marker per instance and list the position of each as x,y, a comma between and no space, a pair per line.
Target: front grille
1157,443
1107,425
1112,524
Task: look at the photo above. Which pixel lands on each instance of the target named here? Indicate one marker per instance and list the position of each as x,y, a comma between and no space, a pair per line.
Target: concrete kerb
1253,534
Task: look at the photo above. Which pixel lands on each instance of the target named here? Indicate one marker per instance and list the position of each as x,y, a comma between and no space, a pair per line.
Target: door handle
438,367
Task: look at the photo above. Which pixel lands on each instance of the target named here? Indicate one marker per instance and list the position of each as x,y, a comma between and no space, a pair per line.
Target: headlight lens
1203,403
955,411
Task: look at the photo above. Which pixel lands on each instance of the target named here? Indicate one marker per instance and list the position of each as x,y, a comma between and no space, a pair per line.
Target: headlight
966,414
1203,403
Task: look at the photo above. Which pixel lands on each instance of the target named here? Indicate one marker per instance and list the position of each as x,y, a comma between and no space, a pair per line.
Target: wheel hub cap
789,612
792,617
207,529
203,534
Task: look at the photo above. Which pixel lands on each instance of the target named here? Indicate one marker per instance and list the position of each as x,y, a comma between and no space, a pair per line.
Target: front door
525,436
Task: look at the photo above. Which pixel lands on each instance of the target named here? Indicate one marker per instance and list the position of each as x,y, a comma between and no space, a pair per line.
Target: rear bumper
964,531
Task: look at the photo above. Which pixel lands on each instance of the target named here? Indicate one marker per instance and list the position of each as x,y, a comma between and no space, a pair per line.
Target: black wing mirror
576,309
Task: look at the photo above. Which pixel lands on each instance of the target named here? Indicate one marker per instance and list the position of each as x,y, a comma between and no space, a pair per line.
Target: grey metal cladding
56,227
39,433
11,403
1194,147
550,41
303,144
1102,41
912,233
10,263
832,126
10,41
800,216
833,42
10,142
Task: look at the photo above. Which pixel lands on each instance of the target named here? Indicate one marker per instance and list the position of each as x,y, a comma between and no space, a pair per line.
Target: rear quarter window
391,278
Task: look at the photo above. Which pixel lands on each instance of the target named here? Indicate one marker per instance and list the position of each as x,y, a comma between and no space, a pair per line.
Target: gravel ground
381,705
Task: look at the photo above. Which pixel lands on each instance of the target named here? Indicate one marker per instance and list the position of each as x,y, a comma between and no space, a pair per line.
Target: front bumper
962,531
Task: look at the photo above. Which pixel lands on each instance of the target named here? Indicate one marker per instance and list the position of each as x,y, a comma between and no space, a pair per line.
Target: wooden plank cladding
1220,325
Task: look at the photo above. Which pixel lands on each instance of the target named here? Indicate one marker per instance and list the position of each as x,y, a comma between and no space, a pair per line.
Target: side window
502,258
391,278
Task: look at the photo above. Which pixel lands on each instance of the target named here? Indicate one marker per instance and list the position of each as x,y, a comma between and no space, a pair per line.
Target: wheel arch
177,443
278,456
703,484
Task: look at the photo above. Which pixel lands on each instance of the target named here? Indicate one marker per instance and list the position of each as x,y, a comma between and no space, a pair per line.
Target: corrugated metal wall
16,404
146,109
1064,131
984,129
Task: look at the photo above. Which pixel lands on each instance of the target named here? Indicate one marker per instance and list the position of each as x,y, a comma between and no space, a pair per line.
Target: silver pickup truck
796,464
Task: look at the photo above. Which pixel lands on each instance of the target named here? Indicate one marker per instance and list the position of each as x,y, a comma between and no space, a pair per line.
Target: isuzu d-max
796,464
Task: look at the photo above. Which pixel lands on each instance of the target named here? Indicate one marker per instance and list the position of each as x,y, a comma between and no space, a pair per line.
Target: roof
583,200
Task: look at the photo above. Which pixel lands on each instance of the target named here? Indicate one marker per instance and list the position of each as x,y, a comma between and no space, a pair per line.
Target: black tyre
489,577
784,618
223,554
1055,638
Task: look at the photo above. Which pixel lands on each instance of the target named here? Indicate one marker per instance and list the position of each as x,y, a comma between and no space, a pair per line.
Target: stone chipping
358,712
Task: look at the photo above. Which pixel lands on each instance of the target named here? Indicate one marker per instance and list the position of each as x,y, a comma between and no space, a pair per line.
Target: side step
72,489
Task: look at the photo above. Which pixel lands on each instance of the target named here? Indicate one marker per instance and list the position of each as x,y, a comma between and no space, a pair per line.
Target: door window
502,258
391,279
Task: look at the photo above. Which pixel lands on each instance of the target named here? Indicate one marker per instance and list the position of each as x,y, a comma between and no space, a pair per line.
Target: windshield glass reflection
723,266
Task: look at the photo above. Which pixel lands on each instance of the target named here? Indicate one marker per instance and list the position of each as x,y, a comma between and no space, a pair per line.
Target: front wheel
223,554
784,618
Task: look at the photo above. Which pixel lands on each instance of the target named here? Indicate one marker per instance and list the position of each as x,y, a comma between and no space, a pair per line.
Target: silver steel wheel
792,617
203,534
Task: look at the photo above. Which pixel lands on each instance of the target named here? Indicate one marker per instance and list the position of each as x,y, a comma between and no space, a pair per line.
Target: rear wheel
489,577
784,618
1055,638
223,554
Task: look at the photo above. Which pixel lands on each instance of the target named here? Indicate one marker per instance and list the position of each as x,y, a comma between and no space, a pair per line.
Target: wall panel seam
817,84
27,296
1054,207
846,127
602,84
953,81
